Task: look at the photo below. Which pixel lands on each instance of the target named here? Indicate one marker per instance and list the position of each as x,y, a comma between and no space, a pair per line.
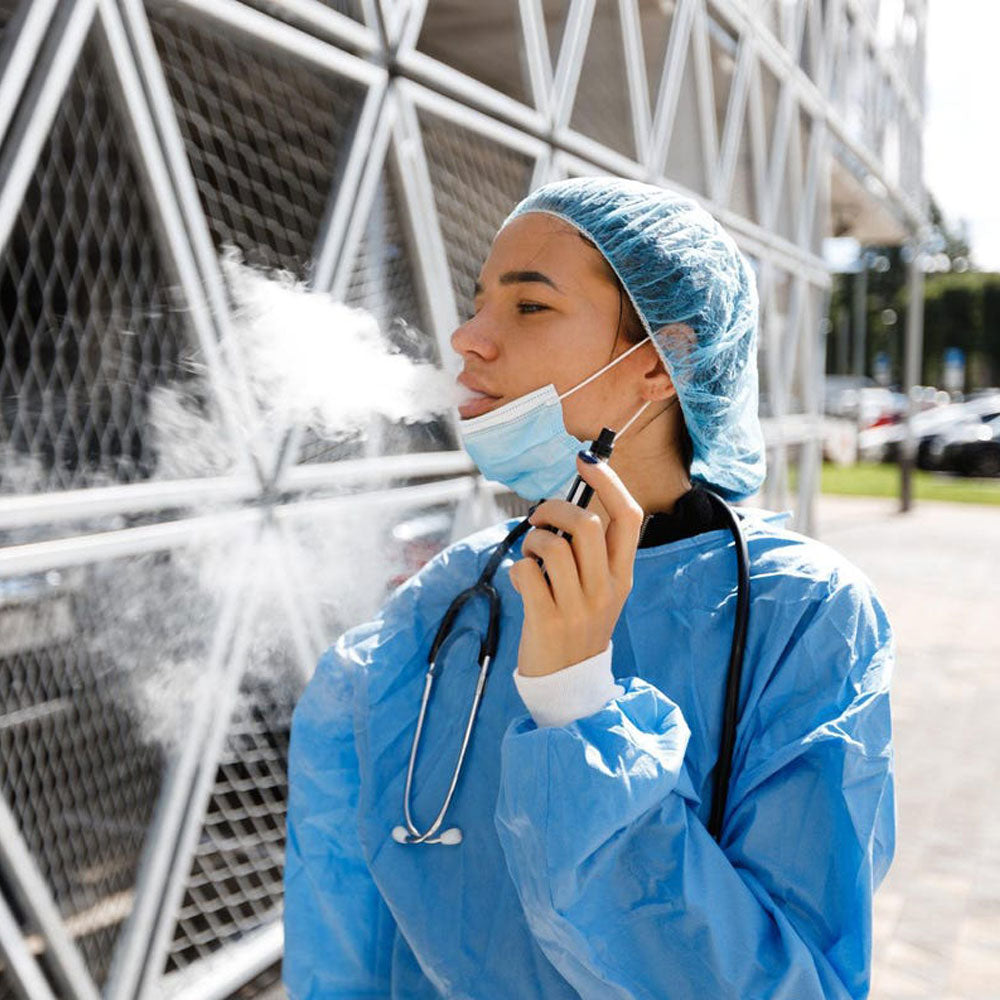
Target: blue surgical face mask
524,444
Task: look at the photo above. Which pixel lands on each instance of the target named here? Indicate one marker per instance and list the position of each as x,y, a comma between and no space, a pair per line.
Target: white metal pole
21,872
911,370
20,964
30,131
20,54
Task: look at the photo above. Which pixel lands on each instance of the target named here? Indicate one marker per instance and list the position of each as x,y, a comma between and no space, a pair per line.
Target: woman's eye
530,307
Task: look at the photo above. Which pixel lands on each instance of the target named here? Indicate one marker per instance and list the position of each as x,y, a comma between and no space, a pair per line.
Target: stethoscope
483,588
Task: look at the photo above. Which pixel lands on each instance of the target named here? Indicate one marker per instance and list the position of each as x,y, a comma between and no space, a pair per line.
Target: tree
963,312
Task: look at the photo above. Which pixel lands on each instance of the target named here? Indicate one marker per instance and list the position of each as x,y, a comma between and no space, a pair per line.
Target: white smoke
307,359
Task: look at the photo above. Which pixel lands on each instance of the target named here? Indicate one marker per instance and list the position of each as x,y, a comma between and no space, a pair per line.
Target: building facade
164,584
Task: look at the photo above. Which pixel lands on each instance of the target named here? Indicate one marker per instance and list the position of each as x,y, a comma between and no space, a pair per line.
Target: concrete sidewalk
937,570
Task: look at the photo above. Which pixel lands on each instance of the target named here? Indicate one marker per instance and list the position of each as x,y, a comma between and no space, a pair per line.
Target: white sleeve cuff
571,693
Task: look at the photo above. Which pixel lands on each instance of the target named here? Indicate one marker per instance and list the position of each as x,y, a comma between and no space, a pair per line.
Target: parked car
840,394
978,454
959,423
859,399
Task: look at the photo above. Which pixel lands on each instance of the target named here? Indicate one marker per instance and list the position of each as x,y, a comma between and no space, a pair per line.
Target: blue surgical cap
678,266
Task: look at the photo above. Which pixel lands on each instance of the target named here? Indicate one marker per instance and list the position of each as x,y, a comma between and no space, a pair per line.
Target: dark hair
630,326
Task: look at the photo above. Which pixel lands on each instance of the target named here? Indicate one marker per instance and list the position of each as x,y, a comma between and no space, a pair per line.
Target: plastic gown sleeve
630,896
338,930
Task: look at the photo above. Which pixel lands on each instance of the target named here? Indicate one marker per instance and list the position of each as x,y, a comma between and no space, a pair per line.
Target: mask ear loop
601,371
631,420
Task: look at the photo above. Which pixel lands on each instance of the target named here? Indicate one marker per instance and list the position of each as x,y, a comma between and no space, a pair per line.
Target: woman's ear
658,384
656,381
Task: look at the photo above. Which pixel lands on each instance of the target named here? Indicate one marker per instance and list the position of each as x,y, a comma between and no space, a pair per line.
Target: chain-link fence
476,182
266,134
235,881
88,322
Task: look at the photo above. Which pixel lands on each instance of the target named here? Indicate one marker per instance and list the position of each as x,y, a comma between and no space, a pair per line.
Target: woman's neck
648,464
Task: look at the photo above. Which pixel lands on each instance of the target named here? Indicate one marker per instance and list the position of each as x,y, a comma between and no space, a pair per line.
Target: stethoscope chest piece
482,590
449,837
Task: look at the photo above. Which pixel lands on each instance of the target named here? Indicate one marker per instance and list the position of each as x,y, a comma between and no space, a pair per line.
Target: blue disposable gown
586,867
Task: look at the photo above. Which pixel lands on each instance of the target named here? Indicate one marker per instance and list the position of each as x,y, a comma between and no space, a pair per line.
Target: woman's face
545,312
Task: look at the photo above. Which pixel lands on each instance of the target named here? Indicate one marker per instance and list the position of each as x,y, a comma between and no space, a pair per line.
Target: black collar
692,514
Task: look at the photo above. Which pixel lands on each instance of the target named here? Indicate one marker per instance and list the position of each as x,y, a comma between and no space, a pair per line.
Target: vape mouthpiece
604,444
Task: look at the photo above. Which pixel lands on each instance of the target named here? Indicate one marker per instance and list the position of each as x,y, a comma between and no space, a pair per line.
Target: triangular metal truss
275,126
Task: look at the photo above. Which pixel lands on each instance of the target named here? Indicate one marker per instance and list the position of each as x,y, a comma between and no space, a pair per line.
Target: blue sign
954,369
882,368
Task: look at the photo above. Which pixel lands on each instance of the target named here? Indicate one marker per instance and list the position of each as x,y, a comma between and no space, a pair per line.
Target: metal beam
178,841
19,53
20,967
190,494
571,55
375,165
420,207
221,975
179,222
635,72
336,26
22,511
277,34
33,893
130,961
80,550
670,83
700,52
447,80
739,96
536,52
40,104
344,207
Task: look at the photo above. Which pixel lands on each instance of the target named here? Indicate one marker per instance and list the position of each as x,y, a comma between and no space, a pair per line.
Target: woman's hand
571,616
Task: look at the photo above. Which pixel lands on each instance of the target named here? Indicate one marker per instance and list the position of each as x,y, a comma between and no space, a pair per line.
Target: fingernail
588,458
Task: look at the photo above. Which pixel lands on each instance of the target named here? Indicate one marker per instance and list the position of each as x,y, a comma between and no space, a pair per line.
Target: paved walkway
937,570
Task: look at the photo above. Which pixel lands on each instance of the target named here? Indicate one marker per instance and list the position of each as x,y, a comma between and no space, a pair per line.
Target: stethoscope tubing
734,673
487,652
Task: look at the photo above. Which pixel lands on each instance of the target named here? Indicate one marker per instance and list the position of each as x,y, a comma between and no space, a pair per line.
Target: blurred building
372,148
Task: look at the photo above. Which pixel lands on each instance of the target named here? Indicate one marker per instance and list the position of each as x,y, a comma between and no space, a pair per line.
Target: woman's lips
477,405
477,400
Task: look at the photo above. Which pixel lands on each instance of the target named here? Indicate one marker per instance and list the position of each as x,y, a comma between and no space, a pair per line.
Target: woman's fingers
571,608
526,576
586,539
560,565
625,516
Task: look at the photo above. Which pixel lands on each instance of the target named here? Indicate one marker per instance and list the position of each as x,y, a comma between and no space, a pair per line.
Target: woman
584,865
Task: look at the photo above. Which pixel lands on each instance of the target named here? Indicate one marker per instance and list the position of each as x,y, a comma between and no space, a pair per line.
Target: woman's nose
474,337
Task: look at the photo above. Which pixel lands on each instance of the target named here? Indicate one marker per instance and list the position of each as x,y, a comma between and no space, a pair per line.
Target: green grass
877,480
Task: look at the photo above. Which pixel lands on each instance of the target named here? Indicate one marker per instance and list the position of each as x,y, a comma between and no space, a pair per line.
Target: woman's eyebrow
519,278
